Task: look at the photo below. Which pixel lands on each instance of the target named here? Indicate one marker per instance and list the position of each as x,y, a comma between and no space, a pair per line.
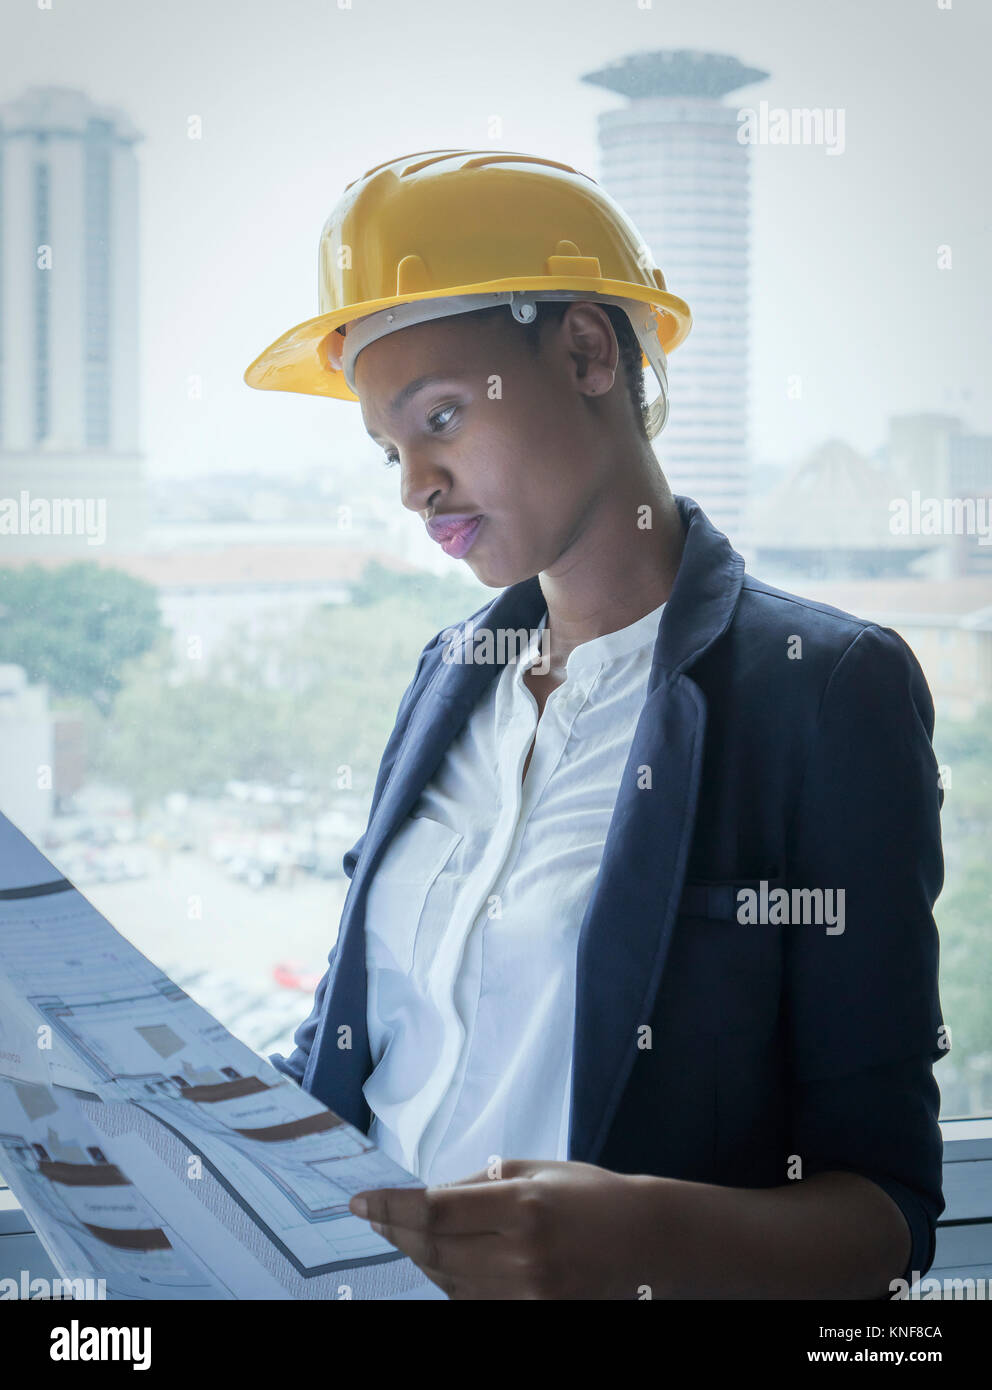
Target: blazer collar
698,611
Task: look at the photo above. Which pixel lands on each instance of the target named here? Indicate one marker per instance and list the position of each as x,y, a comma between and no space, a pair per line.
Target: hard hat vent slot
412,276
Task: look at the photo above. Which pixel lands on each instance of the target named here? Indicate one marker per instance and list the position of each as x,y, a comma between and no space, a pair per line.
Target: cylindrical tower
672,159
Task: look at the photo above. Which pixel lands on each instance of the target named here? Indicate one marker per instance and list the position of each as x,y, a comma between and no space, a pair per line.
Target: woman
638,968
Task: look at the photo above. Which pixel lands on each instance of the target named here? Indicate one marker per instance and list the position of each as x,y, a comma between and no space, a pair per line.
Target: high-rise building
69,400
672,159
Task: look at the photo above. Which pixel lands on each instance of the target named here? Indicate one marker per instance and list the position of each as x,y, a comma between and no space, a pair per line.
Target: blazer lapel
625,934
627,928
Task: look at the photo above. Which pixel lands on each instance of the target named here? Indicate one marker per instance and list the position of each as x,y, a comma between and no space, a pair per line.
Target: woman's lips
456,539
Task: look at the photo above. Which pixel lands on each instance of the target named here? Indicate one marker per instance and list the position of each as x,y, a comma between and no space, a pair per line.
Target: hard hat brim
297,360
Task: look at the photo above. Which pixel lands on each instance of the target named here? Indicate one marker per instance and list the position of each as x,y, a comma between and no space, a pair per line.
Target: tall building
672,159
69,402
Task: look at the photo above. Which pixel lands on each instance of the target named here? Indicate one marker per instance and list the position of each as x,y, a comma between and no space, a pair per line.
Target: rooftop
675,72
833,498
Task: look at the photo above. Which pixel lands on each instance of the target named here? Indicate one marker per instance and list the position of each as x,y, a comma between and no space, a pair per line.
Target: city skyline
847,299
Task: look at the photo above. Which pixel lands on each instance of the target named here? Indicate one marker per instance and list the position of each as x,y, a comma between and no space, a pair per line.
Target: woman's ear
592,344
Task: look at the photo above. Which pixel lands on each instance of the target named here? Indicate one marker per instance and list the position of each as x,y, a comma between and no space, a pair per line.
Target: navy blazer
780,740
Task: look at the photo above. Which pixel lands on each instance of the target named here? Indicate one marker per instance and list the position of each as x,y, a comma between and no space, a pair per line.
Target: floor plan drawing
85,1016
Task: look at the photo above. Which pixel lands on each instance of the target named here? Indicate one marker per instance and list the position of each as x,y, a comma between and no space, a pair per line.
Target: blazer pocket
720,899
397,895
724,975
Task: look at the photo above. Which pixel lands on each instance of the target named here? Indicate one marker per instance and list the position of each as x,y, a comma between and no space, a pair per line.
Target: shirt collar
700,610
588,657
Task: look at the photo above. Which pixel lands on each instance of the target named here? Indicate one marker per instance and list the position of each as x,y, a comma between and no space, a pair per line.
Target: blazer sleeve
294,1066
863,1017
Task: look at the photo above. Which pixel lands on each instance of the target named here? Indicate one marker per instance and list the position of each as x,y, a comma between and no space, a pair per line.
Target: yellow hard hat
447,231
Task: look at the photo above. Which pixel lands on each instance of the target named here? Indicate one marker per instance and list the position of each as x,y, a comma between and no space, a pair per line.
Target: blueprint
92,1218
151,1148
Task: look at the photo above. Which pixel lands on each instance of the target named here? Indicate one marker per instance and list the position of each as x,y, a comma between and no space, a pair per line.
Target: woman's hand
541,1229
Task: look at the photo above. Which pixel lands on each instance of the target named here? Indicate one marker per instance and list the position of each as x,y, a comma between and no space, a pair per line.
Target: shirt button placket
508,815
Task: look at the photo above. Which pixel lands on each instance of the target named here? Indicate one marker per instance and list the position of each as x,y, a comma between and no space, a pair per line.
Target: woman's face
478,424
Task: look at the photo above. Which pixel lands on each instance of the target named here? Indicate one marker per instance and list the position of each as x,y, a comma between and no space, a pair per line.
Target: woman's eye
391,460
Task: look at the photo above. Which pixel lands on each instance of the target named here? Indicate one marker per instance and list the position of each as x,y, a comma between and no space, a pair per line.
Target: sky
297,99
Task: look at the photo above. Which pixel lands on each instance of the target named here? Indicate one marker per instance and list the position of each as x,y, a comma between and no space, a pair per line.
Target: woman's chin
492,581
496,575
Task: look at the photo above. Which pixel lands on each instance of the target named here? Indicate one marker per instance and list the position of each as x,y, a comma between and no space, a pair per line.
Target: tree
75,627
271,705
448,598
168,734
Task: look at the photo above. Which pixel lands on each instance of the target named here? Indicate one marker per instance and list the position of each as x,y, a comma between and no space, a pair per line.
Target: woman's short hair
552,310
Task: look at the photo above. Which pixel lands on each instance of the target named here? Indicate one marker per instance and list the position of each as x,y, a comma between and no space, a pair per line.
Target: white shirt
473,915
